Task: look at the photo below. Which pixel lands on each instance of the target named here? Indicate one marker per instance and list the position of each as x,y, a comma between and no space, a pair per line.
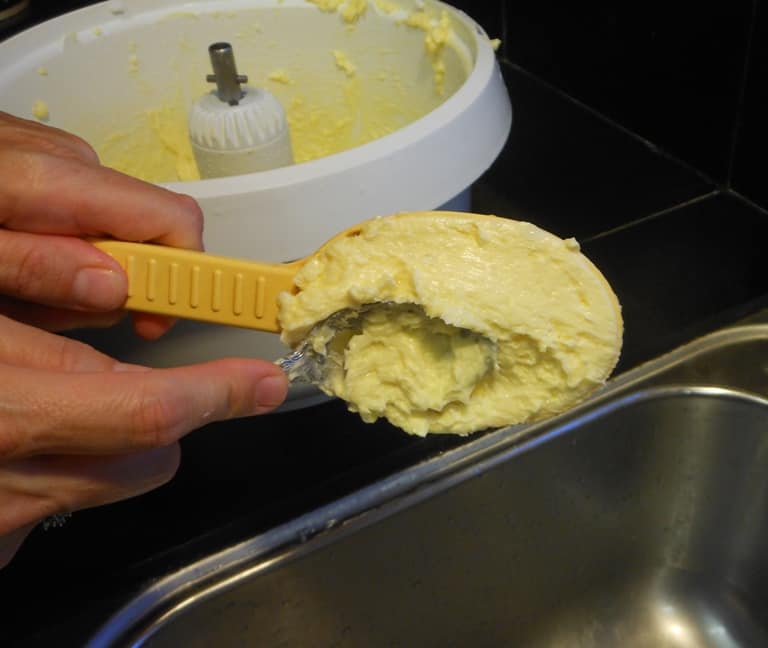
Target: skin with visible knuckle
78,428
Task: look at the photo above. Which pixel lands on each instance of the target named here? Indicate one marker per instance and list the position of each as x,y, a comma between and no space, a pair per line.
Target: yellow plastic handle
201,286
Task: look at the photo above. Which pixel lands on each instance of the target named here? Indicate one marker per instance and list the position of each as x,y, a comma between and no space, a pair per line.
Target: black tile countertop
683,256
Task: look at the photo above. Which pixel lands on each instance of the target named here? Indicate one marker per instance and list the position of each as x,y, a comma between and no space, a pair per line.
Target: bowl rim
36,44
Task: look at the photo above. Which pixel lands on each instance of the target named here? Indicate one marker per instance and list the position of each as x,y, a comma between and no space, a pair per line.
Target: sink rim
158,603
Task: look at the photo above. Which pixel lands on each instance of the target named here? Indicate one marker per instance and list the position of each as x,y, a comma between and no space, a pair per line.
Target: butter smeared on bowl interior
483,322
345,102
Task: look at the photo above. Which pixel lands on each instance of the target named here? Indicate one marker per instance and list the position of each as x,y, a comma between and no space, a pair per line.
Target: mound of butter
466,322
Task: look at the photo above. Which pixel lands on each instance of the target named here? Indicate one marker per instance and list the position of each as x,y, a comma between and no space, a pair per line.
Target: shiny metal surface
638,519
311,361
225,74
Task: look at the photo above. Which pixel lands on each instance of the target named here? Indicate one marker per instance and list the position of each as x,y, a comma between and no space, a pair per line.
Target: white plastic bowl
285,213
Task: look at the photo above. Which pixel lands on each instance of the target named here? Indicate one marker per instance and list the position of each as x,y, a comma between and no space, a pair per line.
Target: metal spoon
224,290
221,290
306,365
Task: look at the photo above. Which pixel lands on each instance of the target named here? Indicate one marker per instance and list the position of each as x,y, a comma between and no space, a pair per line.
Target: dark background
689,77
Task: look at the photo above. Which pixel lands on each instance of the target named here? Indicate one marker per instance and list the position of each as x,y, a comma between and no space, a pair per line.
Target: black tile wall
685,272
38,11
669,71
559,167
749,174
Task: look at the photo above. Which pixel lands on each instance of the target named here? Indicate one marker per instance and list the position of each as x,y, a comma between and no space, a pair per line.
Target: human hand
78,428
53,193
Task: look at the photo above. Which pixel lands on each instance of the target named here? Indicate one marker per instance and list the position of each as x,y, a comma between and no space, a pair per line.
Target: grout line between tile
653,216
741,99
608,120
748,202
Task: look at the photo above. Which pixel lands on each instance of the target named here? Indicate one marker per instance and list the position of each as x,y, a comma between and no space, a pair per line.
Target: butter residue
437,33
40,110
133,64
343,63
280,76
350,10
327,5
495,322
387,6
349,111
353,10
159,149
437,30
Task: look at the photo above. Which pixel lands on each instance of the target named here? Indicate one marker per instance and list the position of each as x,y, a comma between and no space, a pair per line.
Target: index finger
50,193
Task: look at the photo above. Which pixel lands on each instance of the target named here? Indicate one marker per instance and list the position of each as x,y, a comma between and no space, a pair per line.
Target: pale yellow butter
343,63
501,322
158,151
327,5
387,6
350,10
437,33
40,110
353,10
280,76
133,64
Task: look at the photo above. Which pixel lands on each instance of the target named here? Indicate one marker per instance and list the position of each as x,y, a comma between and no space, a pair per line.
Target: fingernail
99,289
271,392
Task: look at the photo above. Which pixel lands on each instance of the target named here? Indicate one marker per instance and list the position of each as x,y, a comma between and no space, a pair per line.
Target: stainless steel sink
638,519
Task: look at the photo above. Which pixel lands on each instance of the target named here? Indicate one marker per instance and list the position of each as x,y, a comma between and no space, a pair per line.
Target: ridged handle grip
201,286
